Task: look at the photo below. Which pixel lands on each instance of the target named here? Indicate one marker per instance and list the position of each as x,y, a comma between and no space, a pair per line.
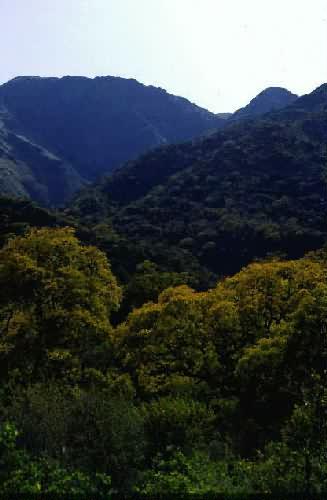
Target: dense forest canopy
211,206
221,391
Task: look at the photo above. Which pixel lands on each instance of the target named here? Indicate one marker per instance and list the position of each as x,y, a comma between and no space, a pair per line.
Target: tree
55,299
146,285
21,474
164,346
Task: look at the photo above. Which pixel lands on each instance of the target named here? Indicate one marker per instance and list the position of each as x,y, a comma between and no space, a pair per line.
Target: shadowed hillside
254,188
96,124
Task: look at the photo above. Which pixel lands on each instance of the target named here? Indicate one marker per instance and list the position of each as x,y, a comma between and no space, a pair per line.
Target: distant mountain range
58,134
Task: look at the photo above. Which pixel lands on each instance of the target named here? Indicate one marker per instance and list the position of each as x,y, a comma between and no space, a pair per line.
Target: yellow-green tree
165,346
247,347
55,300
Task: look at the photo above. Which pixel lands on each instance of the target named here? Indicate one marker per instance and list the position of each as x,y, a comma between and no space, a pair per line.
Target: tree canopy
56,297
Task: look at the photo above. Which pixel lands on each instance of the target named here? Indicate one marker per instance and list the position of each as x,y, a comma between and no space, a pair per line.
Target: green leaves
20,473
212,392
55,300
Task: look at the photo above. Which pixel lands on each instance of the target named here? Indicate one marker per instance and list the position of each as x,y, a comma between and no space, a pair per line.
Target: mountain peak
96,124
275,91
270,99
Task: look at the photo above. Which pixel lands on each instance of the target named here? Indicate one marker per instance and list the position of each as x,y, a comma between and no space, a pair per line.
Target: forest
141,384
210,206
163,250
163,332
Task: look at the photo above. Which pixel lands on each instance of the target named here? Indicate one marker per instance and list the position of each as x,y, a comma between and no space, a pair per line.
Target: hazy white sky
217,53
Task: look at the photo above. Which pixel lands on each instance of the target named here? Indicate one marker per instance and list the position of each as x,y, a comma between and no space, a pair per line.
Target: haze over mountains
58,134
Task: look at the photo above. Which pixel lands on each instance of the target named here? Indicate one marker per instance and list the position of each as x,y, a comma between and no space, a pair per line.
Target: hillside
250,190
65,132
270,99
96,124
118,378
28,170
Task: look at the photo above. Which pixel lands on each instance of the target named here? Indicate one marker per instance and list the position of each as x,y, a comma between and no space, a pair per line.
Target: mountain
19,215
270,99
224,116
254,188
65,132
315,102
28,170
97,124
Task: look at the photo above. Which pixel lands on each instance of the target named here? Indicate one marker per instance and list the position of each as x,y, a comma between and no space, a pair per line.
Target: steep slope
19,215
66,131
316,101
270,99
28,170
249,190
96,124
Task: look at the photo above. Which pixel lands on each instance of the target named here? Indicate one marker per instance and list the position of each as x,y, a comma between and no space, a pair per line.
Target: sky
216,53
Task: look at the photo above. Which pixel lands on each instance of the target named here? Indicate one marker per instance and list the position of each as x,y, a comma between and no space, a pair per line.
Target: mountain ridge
216,203
92,126
103,121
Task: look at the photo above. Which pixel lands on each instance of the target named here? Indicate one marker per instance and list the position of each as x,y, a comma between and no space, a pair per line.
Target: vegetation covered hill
270,99
28,170
60,133
117,377
96,124
213,205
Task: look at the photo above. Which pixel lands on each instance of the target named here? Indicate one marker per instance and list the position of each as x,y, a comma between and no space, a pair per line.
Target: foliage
199,475
214,392
20,474
30,171
176,422
147,283
95,430
214,205
55,299
245,347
